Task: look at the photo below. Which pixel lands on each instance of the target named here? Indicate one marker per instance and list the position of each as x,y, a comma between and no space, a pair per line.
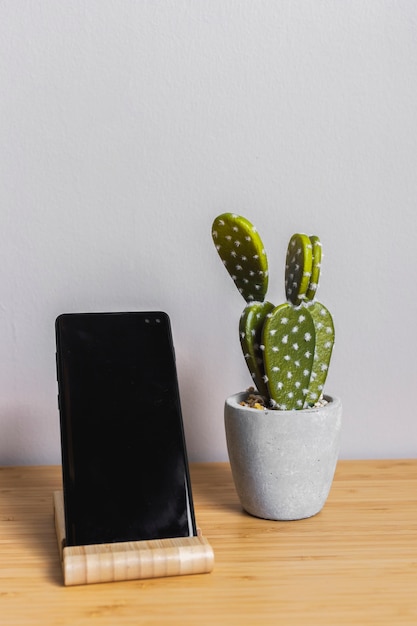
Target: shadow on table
26,504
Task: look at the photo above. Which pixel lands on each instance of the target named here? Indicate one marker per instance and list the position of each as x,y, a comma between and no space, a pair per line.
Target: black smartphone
124,461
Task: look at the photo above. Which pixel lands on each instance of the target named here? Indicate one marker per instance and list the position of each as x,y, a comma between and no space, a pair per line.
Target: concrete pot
283,462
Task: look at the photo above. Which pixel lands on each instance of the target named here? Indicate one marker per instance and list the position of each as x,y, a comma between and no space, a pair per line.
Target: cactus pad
289,340
298,268
250,329
242,252
315,269
324,327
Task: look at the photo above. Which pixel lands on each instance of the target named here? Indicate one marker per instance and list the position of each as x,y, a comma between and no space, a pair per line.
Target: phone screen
124,462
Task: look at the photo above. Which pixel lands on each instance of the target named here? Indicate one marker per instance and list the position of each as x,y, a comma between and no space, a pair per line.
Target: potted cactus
283,434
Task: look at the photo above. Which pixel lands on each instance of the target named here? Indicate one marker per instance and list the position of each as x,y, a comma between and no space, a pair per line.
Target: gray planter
283,462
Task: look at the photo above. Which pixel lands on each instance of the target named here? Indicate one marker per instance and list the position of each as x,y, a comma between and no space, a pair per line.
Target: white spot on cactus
256,256
306,372
329,330
295,346
228,237
239,268
265,378
307,354
275,349
215,234
297,363
295,329
307,336
285,339
287,357
290,395
233,254
275,368
279,386
221,222
272,332
301,318
299,403
289,375
324,367
237,243
284,320
328,345
297,384
235,228
262,347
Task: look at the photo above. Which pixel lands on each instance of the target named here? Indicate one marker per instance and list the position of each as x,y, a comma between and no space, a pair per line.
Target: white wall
127,126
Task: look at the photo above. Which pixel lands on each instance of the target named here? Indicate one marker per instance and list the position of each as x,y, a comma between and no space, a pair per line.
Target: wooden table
355,563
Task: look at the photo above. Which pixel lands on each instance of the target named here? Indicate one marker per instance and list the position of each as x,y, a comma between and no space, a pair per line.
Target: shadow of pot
283,462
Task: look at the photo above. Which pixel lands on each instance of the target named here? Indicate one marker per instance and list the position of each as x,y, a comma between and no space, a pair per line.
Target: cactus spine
287,347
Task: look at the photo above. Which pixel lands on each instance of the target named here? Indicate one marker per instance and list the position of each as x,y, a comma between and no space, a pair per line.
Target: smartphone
124,461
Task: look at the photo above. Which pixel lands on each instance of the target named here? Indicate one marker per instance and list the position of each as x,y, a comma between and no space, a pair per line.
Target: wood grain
353,564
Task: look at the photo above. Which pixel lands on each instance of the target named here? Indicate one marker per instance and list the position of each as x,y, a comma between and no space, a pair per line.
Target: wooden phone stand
130,560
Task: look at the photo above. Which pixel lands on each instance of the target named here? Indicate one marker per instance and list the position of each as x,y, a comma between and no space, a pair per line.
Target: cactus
287,347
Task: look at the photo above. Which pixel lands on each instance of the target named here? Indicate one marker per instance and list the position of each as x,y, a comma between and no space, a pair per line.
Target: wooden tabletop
353,564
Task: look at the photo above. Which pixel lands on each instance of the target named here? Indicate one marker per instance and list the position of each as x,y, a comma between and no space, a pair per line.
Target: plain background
126,126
